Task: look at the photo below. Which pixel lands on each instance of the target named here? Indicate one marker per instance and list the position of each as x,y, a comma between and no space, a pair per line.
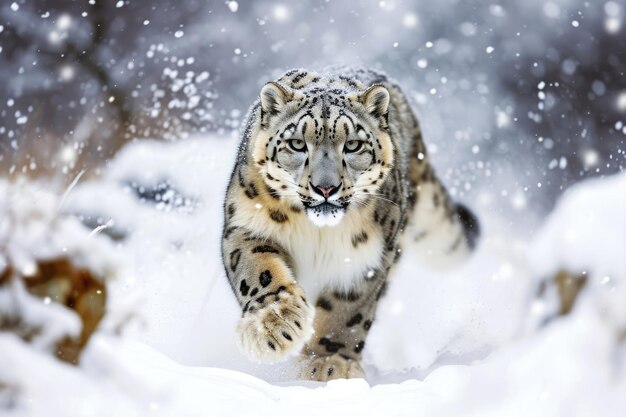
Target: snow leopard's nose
325,190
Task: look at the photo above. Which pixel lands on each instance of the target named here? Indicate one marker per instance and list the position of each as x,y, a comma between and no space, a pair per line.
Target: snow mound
561,372
586,231
32,228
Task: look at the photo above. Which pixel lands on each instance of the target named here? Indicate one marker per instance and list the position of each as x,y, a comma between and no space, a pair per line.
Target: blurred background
126,113
518,100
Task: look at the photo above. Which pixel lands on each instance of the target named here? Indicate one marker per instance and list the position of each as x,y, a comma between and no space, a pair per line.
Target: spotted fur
332,179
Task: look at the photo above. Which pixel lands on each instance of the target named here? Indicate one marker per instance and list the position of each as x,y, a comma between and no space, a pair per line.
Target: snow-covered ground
445,343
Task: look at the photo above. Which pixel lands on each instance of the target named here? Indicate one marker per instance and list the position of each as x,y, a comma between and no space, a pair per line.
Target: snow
455,342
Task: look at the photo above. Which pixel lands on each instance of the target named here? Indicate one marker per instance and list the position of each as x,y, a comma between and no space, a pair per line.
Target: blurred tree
85,77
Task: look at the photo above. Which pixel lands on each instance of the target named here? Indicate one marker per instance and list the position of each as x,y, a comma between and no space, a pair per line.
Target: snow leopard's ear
274,97
376,100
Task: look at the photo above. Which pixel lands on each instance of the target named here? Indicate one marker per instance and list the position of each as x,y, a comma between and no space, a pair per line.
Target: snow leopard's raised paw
276,325
326,368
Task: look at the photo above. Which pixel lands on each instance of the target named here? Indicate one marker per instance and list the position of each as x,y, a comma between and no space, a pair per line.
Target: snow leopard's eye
353,146
297,145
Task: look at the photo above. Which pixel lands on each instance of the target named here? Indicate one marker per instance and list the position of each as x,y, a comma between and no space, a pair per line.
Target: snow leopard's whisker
361,203
380,197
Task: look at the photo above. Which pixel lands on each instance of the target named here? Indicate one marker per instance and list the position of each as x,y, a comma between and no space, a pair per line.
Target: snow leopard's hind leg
441,232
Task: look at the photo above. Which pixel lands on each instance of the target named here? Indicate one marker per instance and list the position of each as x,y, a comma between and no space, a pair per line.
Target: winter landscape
119,125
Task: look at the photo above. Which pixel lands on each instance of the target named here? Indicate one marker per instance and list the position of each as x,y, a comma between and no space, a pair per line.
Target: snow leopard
331,182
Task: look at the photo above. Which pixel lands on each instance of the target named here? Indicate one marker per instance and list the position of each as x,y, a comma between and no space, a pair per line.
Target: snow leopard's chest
336,258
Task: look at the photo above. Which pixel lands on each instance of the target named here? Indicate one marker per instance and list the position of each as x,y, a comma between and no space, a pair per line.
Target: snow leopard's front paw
276,325
325,368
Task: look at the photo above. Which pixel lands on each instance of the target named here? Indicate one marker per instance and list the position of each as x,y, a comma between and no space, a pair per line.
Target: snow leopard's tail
442,232
471,225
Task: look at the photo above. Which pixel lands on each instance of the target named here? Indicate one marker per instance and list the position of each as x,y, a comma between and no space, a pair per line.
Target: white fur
326,258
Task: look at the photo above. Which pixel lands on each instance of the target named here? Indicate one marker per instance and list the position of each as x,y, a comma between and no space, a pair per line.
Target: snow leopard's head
324,150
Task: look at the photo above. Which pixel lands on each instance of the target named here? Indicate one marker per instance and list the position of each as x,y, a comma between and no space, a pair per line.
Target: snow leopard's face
327,152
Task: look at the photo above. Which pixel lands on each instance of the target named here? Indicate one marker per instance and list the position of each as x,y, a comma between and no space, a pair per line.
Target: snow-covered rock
583,244
52,272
